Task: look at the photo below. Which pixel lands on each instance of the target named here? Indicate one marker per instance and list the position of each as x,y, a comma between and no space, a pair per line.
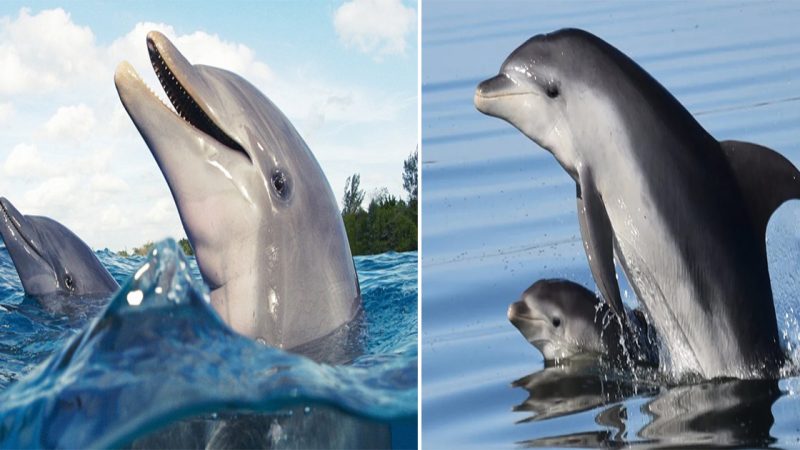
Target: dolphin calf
684,214
564,320
50,259
265,226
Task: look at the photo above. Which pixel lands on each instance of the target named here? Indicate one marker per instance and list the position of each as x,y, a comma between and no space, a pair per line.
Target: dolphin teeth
186,107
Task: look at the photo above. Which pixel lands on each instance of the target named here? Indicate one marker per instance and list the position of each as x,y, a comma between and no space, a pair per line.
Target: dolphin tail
766,179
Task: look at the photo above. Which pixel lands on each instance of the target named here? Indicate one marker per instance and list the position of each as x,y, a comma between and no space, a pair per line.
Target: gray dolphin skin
50,259
684,214
564,320
265,226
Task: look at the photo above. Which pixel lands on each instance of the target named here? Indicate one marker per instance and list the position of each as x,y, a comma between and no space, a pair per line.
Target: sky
344,72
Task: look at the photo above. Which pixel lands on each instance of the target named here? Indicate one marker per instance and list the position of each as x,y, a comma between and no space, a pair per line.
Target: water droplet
141,271
135,297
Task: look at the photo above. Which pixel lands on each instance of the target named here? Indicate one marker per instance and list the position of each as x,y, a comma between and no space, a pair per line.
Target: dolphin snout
496,86
8,208
483,92
517,309
488,90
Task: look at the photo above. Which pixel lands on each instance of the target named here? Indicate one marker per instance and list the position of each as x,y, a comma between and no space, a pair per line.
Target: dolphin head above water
49,258
256,206
533,91
570,92
560,319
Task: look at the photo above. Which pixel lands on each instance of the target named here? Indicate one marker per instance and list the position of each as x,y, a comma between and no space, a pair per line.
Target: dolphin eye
556,322
280,183
552,91
69,282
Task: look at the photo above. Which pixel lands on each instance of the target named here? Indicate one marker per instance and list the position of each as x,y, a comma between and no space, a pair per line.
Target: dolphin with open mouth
265,226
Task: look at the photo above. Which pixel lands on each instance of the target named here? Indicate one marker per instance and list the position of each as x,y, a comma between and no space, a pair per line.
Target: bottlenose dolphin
255,204
50,259
685,214
563,320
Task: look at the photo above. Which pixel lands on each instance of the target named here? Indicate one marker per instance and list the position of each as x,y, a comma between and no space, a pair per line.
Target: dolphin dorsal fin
766,179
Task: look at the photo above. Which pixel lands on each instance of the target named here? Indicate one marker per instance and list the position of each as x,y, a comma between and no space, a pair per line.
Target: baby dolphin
684,214
263,221
50,259
564,320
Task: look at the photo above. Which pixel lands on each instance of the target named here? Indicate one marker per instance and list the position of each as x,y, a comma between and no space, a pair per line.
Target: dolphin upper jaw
490,93
189,92
12,230
32,267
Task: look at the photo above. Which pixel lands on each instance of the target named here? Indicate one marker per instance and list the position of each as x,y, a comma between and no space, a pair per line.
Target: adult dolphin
256,206
684,213
50,259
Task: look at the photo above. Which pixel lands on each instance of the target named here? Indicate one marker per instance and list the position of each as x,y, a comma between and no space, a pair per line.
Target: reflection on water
567,389
711,413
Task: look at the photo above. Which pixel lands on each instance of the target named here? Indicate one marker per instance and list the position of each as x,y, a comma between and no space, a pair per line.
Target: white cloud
6,111
162,211
41,52
53,194
107,183
25,161
377,27
77,157
111,217
71,123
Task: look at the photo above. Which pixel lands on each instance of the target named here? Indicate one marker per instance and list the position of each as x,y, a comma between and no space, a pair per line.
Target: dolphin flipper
765,177
598,240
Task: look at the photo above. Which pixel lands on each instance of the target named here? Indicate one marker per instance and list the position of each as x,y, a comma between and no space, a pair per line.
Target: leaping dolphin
684,213
255,204
50,259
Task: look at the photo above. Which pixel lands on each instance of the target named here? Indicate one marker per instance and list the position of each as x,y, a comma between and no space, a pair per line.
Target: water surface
157,353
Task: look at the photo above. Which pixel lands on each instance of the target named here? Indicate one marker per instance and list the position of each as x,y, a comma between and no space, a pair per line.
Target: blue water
498,213
120,369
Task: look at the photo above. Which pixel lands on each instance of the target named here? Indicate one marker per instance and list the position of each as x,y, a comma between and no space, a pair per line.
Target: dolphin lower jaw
183,152
492,104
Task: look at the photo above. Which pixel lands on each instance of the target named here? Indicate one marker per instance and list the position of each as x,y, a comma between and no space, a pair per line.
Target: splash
159,353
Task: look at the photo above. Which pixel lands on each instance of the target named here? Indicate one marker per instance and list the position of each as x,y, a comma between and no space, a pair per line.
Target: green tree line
145,249
388,223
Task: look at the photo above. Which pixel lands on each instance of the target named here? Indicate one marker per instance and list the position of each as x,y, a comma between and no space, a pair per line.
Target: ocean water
157,353
498,213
